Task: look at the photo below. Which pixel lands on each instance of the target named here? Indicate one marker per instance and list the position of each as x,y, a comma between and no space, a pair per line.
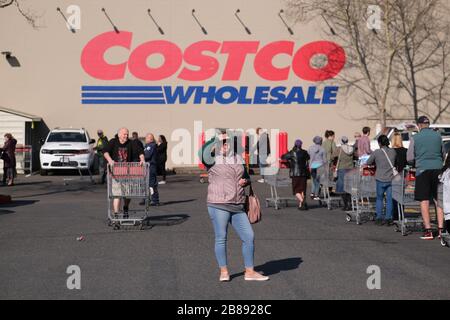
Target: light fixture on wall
12,60
241,22
154,21
198,22
65,19
284,22
110,21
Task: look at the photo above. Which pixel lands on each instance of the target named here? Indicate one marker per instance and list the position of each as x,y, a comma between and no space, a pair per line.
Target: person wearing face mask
227,178
102,141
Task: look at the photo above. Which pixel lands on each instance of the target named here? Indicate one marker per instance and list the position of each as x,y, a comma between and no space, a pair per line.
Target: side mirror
41,142
92,141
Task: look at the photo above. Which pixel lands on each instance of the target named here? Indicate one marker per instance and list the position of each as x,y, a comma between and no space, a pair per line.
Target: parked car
407,130
67,149
446,141
444,129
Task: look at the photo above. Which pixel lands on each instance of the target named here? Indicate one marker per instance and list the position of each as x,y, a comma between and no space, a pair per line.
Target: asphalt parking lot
311,255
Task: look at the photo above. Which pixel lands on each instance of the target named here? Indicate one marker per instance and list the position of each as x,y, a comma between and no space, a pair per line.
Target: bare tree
374,56
29,16
423,66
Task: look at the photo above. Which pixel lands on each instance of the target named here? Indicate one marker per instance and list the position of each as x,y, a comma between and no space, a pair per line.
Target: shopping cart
445,239
360,183
327,185
128,180
280,179
409,217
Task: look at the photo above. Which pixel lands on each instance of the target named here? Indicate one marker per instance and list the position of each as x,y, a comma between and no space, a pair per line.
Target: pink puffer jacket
224,179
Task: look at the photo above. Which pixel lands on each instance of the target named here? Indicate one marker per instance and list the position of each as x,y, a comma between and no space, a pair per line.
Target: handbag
394,169
253,207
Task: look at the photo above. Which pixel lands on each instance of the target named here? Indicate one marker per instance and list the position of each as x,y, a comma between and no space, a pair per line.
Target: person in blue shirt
150,153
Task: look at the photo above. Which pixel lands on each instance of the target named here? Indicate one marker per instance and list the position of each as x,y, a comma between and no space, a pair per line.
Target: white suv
67,149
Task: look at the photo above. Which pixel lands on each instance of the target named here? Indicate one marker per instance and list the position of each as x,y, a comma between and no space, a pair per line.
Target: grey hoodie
317,154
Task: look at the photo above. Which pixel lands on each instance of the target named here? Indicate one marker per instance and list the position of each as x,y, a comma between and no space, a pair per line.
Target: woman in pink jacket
226,204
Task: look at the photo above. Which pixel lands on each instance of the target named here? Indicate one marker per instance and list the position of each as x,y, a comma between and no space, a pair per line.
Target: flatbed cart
360,183
128,180
276,181
409,217
327,184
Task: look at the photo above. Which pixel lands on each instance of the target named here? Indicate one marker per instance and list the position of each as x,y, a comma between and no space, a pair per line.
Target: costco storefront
176,65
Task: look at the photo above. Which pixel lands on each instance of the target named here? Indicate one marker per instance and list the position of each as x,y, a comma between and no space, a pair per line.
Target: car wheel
43,172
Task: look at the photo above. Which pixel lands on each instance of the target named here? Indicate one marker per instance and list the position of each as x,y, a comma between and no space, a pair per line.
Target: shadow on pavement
177,201
276,266
4,212
18,203
21,184
167,220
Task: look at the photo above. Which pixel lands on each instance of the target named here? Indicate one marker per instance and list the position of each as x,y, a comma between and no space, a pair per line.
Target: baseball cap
423,120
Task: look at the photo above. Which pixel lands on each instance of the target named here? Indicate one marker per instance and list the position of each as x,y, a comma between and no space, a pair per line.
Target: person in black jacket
162,158
299,172
8,155
397,144
151,157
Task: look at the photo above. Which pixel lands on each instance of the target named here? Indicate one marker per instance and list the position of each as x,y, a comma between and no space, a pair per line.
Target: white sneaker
162,182
261,180
256,277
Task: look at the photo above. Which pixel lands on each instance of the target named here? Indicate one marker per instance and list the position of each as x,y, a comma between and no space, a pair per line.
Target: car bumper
55,162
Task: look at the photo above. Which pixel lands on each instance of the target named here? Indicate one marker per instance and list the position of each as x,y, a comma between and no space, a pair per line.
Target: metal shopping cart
445,239
280,179
360,183
327,185
409,217
128,180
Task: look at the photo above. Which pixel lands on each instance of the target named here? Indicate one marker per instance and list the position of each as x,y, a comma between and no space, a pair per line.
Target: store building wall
49,80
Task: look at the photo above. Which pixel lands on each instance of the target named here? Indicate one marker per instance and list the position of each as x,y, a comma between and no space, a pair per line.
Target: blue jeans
340,180
382,189
241,225
153,183
315,182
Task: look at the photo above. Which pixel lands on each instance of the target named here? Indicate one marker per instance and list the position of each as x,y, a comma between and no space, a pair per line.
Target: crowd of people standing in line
425,153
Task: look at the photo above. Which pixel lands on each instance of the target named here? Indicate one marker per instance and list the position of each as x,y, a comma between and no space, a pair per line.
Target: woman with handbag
384,159
299,172
226,201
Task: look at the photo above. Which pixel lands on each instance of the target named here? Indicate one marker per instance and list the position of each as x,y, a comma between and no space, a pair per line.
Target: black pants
162,169
153,183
